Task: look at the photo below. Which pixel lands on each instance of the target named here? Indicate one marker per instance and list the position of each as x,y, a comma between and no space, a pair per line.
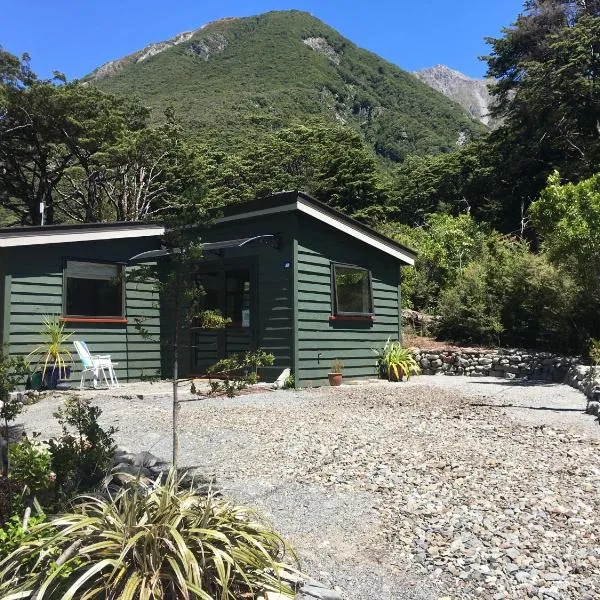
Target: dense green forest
507,223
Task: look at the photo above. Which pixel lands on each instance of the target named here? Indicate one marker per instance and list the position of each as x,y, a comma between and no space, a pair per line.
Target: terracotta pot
335,379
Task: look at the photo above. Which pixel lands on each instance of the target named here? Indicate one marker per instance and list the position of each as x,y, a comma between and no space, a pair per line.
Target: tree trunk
175,409
176,372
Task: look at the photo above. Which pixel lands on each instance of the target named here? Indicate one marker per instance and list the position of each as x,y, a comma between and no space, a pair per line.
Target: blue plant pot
52,377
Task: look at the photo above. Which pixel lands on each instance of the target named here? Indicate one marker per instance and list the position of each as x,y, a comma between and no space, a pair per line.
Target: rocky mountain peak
472,94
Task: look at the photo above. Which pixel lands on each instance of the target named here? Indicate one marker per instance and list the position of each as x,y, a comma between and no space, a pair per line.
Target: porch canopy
269,239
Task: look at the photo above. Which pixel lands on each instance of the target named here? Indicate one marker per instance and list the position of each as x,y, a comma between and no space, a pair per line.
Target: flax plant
147,542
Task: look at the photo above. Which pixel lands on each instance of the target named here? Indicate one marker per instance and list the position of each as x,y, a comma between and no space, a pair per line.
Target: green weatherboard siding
321,340
36,289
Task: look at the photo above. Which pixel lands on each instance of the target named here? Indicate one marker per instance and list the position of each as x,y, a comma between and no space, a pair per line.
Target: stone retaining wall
507,363
510,364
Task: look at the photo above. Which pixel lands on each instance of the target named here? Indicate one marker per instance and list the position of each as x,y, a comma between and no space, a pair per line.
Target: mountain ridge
235,78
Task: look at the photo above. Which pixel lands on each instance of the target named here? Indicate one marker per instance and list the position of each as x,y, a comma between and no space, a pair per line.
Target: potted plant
52,354
395,362
335,376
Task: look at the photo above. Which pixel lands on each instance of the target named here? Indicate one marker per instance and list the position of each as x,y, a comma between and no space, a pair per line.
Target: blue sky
75,36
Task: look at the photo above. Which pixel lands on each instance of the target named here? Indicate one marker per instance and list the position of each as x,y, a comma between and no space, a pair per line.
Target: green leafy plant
82,454
337,366
13,533
290,382
13,371
30,466
212,319
148,542
396,362
255,359
594,351
52,353
236,372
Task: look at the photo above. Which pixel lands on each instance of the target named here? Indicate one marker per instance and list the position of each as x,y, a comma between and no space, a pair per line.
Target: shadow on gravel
15,432
520,406
520,383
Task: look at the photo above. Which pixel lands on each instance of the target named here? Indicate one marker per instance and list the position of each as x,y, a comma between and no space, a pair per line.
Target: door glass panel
237,297
210,285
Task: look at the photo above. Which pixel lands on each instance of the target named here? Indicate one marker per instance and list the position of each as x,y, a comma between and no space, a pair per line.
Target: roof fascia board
355,232
79,236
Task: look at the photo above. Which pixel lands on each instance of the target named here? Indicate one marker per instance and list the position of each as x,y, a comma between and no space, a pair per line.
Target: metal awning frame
270,239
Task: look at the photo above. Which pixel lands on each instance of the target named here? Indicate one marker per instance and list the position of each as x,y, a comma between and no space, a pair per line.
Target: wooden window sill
94,320
370,318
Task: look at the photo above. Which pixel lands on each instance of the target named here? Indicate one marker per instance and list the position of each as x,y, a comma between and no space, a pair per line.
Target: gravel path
442,486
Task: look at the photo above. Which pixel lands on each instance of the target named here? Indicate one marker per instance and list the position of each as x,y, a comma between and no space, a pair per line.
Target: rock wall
587,380
505,363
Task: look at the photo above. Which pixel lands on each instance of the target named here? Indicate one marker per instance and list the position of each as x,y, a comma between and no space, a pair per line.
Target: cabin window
93,289
352,290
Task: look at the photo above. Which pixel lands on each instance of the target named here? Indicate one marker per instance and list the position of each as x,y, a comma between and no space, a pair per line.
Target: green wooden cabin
296,277
302,281
71,271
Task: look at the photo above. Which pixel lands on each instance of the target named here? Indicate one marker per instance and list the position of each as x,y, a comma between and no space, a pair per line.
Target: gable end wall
320,341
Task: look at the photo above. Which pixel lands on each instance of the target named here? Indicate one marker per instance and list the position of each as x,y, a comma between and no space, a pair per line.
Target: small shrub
395,362
82,454
13,534
10,494
30,466
53,353
290,382
13,372
236,372
337,366
149,542
594,351
212,319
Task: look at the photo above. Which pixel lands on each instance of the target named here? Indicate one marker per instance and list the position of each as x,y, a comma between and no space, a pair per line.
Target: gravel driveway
442,486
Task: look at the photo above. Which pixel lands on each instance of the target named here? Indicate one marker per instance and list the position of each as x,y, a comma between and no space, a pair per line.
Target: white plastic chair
95,364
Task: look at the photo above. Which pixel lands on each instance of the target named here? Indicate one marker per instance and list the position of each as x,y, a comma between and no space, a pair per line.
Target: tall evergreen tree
547,70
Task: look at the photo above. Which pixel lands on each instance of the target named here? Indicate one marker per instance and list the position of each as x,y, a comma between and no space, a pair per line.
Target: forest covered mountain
236,79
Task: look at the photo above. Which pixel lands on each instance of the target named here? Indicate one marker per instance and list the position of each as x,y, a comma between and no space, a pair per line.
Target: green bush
290,382
594,351
236,372
13,534
510,296
469,312
82,455
445,246
539,307
30,466
148,542
13,372
395,362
